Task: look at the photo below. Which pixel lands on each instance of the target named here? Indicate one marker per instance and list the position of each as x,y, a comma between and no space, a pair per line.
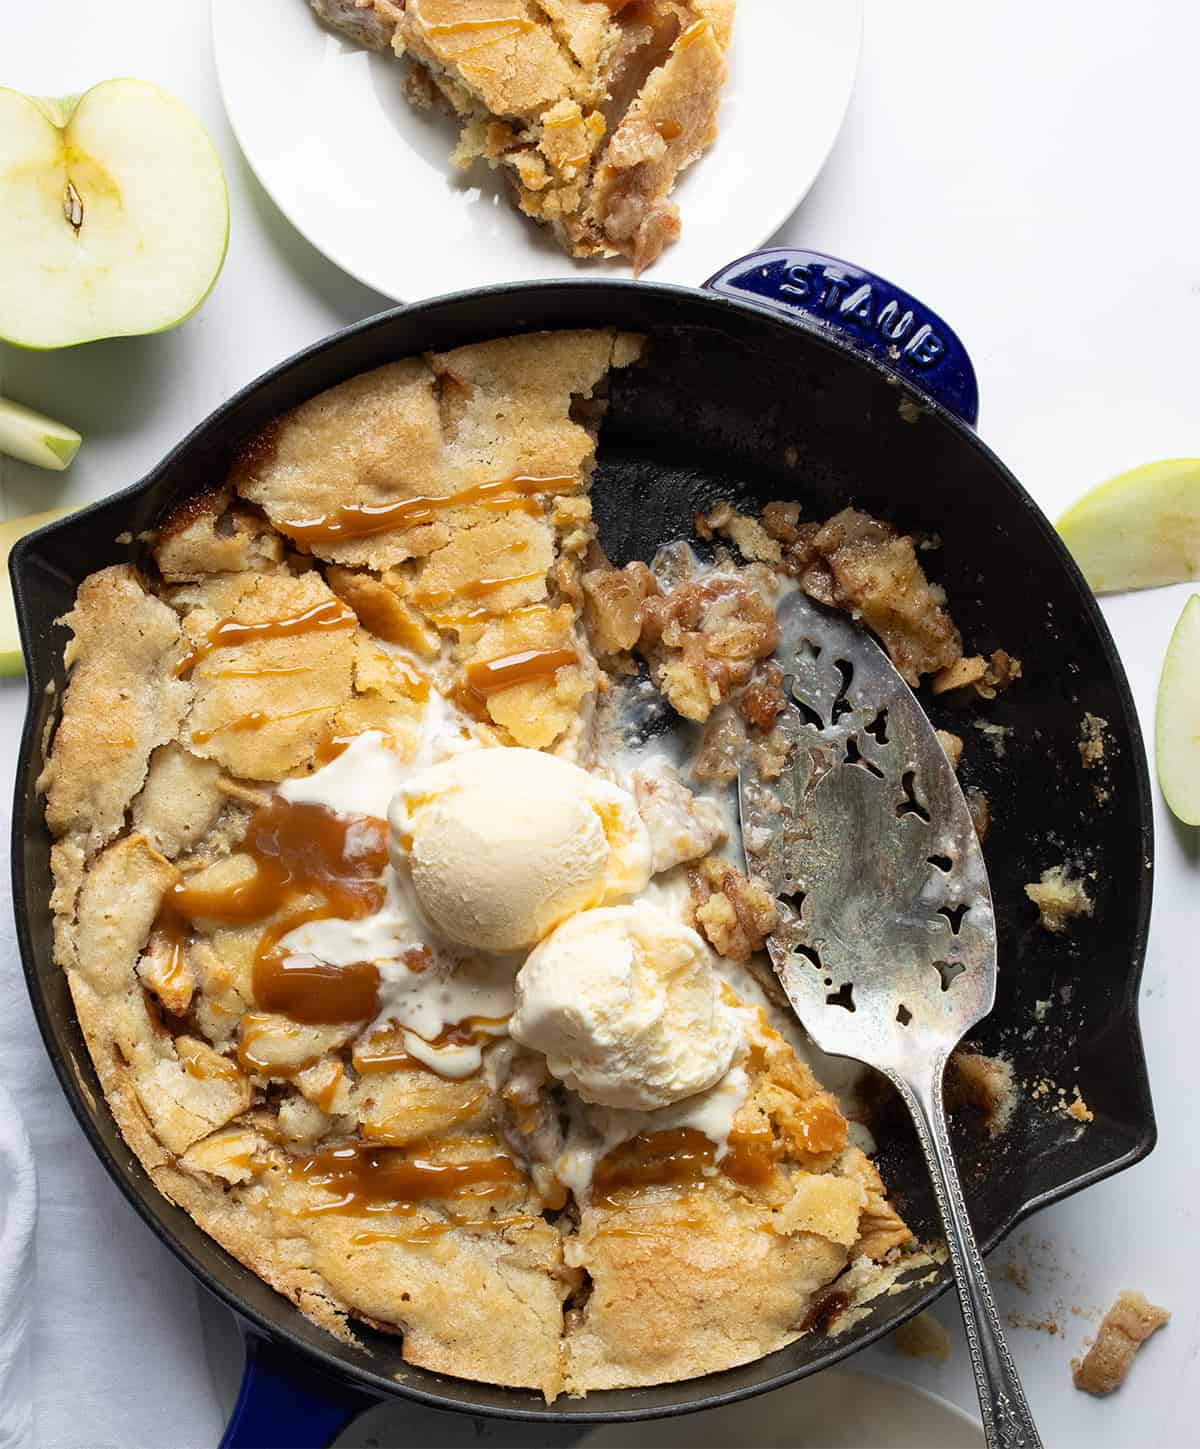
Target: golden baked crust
592,108
417,536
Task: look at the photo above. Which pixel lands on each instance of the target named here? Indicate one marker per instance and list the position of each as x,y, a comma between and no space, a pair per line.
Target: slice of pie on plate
591,108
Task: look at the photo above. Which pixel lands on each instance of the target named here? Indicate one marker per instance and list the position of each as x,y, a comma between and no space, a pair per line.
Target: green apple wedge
11,661
1177,718
36,439
1140,530
114,216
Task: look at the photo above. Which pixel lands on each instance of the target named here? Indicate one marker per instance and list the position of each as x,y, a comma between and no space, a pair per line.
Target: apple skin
1139,530
12,661
1177,718
36,439
60,113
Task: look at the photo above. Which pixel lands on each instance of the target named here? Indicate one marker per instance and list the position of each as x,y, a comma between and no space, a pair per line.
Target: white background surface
1029,169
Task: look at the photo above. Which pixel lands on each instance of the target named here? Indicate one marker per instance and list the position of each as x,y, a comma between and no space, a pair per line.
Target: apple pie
591,108
360,904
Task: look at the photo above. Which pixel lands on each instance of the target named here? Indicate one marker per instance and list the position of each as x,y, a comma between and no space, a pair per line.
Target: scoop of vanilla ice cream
626,1007
504,844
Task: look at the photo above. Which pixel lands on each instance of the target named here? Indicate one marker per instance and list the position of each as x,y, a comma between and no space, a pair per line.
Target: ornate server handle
1007,1422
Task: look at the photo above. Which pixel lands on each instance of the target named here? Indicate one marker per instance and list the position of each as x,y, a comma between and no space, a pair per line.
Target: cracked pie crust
406,564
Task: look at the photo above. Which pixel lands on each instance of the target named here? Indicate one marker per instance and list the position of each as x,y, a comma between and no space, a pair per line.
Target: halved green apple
36,439
114,217
1177,718
1139,530
11,661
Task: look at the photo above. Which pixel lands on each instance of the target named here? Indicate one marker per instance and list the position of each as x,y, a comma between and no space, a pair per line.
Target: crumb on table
1125,1327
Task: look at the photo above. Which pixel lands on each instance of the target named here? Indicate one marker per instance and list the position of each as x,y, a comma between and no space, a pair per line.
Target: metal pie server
887,945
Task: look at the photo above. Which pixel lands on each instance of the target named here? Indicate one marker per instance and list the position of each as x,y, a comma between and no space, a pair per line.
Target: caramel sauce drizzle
385,1051
364,520
479,588
369,1178
669,130
228,634
267,672
177,940
325,1098
413,683
309,864
692,34
481,612
296,848
823,1127
518,25
429,1232
330,747
211,1070
256,1025
489,677
255,720
422,1233
314,992
682,1157
654,1159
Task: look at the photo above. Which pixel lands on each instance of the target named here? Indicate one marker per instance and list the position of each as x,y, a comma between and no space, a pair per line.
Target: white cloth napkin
18,1211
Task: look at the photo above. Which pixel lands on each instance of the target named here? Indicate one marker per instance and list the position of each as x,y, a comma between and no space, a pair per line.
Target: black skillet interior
732,403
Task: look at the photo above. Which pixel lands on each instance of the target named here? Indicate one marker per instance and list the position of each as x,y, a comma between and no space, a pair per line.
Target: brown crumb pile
1125,1327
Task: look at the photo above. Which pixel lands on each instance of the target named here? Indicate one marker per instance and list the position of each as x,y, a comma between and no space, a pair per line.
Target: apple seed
73,206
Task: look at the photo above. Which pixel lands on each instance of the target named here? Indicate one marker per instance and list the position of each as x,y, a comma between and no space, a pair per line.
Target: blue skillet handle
286,1403
877,318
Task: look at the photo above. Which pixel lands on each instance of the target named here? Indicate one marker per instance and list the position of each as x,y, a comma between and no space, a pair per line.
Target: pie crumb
1059,897
1091,741
985,1083
1125,1327
953,746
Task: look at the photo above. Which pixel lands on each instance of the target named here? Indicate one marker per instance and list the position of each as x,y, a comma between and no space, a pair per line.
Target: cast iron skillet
793,375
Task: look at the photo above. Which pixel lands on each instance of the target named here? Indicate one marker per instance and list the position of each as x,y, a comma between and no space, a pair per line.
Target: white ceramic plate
367,179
